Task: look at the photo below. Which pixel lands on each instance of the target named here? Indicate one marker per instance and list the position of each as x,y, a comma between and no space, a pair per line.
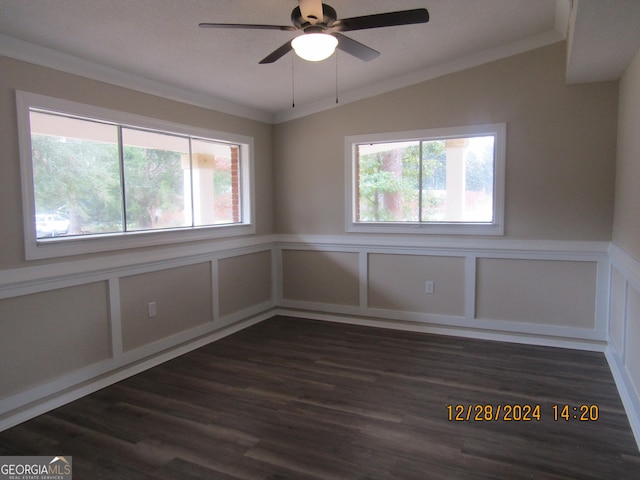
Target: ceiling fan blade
311,10
278,53
354,48
390,19
287,28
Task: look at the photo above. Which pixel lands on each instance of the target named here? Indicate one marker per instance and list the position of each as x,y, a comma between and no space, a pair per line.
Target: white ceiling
603,37
156,46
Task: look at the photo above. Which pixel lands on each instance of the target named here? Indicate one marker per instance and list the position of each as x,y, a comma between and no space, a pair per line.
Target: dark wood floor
292,398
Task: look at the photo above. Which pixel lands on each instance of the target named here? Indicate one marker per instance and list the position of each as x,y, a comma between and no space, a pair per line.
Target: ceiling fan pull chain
336,77
293,84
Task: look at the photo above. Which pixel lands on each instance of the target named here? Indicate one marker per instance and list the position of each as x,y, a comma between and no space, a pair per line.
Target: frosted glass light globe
314,47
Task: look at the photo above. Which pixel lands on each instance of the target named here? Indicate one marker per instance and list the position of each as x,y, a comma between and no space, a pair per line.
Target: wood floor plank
309,400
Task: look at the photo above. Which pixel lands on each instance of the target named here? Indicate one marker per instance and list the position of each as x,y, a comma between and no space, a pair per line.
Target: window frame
496,227
64,246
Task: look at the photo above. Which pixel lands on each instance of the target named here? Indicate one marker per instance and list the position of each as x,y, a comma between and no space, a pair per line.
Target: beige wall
17,75
560,146
46,335
542,292
324,277
548,292
183,299
244,281
626,228
397,282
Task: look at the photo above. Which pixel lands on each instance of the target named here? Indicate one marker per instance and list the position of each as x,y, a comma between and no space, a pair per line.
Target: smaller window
444,181
96,180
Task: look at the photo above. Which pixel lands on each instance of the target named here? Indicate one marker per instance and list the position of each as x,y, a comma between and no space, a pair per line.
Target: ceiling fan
321,30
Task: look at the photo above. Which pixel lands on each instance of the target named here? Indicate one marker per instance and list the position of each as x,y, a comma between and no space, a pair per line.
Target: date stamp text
521,413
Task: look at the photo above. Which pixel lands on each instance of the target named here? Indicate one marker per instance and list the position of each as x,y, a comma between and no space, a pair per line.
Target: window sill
443,228
67,246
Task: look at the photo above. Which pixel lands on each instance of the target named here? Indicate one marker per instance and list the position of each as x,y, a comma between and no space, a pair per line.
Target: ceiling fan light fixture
314,47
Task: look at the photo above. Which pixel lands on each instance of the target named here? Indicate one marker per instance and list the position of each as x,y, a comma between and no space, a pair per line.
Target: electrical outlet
152,309
429,287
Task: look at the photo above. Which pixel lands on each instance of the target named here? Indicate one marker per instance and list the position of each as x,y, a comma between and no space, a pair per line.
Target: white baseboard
457,331
628,394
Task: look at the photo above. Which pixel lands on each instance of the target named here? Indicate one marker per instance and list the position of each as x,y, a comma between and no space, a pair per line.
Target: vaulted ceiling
156,46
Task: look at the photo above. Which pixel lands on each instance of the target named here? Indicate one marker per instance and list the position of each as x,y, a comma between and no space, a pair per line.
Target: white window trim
437,228
61,246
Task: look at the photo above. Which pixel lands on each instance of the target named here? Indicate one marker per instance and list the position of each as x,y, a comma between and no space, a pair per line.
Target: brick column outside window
235,183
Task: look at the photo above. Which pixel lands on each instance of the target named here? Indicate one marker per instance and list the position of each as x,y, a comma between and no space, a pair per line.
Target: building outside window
433,181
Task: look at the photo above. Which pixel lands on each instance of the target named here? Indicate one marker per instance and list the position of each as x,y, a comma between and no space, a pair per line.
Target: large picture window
442,181
91,175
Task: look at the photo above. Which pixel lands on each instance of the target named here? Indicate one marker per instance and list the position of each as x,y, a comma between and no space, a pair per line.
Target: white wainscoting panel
542,331
623,351
18,406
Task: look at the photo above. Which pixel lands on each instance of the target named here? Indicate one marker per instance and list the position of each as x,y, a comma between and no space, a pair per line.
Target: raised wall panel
632,358
617,309
320,276
244,281
46,335
183,298
546,292
623,352
397,282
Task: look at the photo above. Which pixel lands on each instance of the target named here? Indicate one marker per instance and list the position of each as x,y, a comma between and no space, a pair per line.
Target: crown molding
46,57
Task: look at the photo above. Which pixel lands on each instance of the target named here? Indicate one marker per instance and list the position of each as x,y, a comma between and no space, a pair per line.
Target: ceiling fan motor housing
315,25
